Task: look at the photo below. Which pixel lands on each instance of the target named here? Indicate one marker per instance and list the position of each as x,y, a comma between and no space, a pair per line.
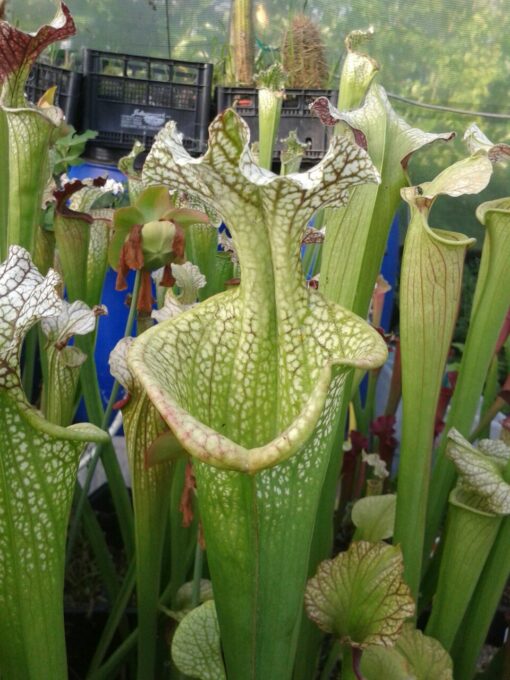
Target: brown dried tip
63,195
121,403
145,299
122,272
132,248
188,492
179,243
201,536
168,279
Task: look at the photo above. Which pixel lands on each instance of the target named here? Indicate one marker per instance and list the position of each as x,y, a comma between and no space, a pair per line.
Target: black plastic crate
130,98
68,95
296,115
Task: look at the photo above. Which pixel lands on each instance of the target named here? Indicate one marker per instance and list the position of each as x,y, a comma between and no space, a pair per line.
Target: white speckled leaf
468,176
189,279
63,362
374,517
196,649
481,483
476,141
360,596
25,298
74,319
495,449
38,465
238,370
253,378
118,363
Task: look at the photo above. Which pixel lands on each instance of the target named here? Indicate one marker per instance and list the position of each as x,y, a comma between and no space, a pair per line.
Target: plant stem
309,635
29,356
270,106
114,618
349,664
101,553
482,606
491,302
106,672
331,661
73,531
373,376
469,539
197,576
93,404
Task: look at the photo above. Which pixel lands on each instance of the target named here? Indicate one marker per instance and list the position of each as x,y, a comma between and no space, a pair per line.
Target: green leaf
72,235
38,466
360,596
202,250
270,92
356,235
431,283
196,648
358,71
374,517
385,663
415,657
25,146
127,165
426,657
292,153
68,148
150,486
250,382
490,305
97,257
477,504
184,596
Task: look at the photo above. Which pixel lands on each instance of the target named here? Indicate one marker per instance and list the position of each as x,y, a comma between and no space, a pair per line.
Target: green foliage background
448,52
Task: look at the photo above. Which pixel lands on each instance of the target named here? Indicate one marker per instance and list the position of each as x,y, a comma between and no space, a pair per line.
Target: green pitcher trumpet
26,131
250,382
38,467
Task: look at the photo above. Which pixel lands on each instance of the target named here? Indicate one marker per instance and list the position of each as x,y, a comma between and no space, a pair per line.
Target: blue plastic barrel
389,270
